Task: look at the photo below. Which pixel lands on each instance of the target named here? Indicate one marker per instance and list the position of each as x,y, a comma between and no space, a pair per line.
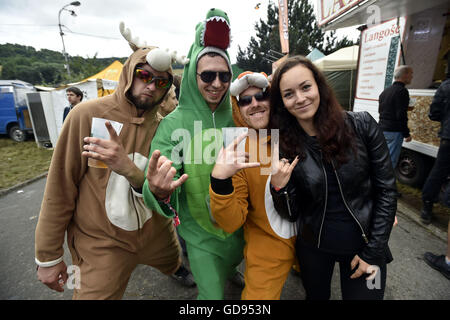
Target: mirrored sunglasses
246,100
148,77
210,76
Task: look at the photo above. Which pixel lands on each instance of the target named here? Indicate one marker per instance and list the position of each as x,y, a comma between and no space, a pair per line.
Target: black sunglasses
210,76
246,100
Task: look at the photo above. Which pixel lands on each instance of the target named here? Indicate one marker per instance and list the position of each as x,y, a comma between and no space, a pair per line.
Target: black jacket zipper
287,202
366,240
326,200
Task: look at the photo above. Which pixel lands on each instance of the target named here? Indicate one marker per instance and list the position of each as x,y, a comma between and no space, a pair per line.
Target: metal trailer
412,32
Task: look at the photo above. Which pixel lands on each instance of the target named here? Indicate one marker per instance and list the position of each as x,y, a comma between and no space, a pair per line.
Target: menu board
379,56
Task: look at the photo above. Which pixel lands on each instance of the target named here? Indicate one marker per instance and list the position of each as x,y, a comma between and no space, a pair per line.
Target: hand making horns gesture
281,169
230,160
160,176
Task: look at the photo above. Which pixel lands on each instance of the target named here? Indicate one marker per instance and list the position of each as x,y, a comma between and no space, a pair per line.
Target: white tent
315,54
342,59
340,70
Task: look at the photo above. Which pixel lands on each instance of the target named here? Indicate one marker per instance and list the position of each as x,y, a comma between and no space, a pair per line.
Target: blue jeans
394,141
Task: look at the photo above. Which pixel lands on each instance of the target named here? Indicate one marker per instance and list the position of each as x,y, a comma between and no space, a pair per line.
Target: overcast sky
164,23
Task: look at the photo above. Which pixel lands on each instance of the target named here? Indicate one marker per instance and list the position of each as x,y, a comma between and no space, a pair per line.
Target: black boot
426,214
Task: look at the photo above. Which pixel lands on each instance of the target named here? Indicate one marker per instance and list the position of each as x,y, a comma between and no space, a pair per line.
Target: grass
21,161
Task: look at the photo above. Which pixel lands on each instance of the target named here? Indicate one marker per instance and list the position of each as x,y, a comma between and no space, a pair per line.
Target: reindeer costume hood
122,92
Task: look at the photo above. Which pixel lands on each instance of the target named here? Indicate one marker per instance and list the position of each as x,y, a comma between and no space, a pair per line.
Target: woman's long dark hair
334,136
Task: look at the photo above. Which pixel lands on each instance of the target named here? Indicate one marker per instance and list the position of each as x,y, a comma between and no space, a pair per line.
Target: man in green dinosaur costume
183,153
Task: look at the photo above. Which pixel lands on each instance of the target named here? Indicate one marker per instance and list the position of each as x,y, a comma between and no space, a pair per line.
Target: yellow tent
107,78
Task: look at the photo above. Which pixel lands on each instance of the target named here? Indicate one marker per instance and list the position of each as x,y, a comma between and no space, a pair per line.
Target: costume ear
258,80
159,59
180,59
248,79
238,86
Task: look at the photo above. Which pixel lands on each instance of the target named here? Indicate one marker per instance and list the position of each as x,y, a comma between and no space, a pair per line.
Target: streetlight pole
61,33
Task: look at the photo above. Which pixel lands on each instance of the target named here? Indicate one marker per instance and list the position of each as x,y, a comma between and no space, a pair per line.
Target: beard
144,104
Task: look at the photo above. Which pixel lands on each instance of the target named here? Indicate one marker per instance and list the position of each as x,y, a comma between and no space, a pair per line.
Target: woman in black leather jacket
335,178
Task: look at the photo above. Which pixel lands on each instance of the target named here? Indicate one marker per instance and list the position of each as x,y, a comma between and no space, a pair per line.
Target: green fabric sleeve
153,204
162,141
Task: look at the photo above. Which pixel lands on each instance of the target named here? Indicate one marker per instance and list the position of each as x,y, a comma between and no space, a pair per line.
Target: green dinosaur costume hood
213,34
194,150
191,137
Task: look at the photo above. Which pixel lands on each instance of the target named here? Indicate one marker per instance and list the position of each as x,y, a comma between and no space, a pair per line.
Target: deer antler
177,58
157,58
133,42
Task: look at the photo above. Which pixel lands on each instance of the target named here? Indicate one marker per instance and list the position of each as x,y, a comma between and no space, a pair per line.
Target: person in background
335,179
393,110
177,84
439,111
74,96
169,102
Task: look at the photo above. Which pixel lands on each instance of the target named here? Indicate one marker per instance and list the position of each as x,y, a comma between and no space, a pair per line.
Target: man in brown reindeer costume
109,229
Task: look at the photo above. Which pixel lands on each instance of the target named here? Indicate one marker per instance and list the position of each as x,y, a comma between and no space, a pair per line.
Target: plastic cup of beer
98,130
96,163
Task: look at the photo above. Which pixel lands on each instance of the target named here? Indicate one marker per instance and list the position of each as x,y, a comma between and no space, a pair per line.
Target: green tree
28,74
236,71
304,35
46,67
50,72
9,70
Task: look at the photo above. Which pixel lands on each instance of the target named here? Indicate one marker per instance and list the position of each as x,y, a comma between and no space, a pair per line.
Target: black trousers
316,269
439,173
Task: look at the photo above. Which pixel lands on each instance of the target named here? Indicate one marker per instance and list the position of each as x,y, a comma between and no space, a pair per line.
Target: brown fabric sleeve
61,191
230,211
